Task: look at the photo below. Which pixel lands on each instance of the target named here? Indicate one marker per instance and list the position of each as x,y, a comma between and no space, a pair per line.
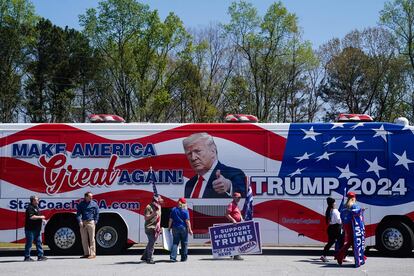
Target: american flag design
291,169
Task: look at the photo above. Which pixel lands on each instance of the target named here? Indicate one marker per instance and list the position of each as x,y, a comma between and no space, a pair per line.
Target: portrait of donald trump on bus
212,179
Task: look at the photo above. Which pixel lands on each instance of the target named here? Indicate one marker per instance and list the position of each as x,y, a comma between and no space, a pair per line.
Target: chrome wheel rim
392,239
107,236
64,238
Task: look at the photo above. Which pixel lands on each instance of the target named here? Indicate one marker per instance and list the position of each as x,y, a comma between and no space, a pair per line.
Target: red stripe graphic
37,183
283,212
247,137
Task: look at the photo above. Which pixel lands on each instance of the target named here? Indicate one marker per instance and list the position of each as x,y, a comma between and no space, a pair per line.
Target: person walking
152,227
88,216
350,209
333,219
233,214
180,224
32,230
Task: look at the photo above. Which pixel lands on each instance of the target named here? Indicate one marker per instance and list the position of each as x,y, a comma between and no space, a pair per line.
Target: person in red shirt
233,214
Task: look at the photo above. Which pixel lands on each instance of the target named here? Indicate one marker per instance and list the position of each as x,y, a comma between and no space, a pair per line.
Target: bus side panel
9,220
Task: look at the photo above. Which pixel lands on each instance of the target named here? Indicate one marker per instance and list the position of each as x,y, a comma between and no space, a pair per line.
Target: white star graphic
345,172
374,167
310,134
409,127
353,142
335,125
381,132
403,160
324,156
333,140
303,157
298,171
357,125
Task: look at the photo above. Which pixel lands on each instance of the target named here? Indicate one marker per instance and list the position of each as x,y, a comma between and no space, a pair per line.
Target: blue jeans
180,234
33,236
149,250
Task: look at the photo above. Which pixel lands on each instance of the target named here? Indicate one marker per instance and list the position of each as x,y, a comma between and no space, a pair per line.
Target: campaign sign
235,239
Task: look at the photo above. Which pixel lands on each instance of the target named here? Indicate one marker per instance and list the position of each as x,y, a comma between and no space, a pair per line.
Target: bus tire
395,238
111,235
63,237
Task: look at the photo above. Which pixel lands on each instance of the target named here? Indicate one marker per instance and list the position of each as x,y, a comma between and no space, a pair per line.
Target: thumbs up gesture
221,184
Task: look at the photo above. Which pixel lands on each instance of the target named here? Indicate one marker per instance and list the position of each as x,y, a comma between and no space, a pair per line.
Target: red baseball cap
182,200
351,195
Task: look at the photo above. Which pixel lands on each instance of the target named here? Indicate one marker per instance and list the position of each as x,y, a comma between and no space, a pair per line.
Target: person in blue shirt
88,216
180,224
350,210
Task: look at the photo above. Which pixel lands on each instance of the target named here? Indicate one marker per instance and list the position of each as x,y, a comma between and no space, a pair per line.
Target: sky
320,20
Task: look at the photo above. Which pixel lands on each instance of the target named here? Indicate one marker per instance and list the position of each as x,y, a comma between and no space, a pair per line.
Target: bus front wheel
395,238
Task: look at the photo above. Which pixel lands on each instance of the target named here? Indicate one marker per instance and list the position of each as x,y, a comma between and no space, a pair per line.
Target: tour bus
291,168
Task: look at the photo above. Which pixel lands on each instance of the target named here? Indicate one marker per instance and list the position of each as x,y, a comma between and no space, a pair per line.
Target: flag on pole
341,206
151,178
248,205
340,241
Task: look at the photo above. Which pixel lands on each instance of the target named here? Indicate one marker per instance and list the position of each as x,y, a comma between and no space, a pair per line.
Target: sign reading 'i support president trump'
235,239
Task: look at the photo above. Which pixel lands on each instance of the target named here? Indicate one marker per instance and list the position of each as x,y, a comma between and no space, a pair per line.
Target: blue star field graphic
375,160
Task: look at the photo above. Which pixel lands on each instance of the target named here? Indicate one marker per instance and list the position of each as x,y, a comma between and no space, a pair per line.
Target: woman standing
333,219
181,227
351,209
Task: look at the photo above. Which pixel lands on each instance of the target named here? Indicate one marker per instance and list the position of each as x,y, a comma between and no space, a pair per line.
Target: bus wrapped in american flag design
289,168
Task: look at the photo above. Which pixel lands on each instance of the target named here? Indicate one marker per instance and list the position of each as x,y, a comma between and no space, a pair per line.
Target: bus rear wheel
395,238
111,236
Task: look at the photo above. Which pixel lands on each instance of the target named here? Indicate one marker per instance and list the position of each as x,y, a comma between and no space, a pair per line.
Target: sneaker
143,259
28,259
324,259
173,260
184,260
41,258
238,258
151,261
347,260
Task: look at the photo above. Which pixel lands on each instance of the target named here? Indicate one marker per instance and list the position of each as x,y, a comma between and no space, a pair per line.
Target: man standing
88,216
233,214
152,227
213,179
180,224
32,230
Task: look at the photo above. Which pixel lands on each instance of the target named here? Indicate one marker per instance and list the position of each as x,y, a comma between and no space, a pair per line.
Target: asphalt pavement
273,261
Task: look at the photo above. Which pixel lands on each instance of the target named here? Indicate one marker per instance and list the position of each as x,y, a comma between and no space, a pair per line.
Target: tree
136,48
61,59
274,57
363,74
398,16
17,19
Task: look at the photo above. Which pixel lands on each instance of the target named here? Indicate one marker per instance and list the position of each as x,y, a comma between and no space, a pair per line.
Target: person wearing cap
212,179
233,214
350,209
32,230
333,219
180,224
152,216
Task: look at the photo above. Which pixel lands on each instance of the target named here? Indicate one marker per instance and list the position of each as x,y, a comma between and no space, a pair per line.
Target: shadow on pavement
331,264
214,259
200,251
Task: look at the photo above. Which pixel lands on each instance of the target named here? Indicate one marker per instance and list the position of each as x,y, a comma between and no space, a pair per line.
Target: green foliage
129,61
16,23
